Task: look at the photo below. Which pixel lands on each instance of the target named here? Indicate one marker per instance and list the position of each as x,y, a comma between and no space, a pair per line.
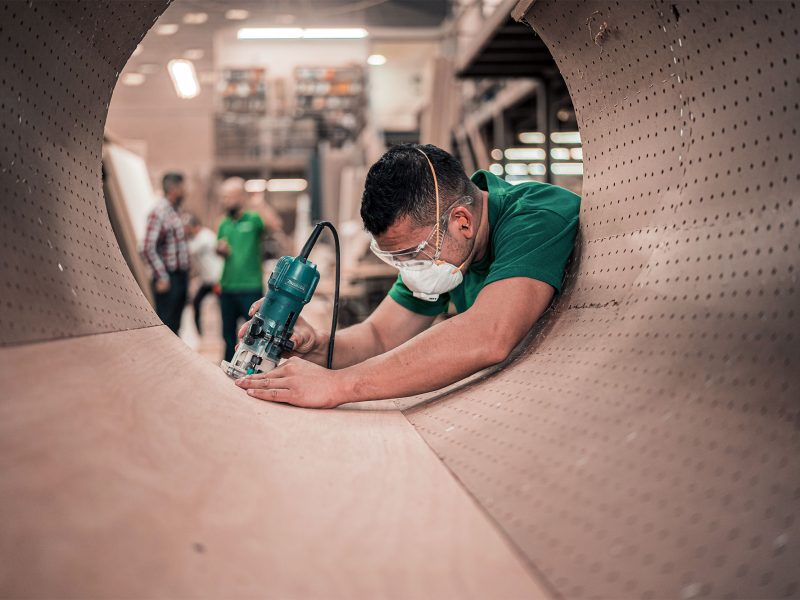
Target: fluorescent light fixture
183,78
287,185
255,186
270,33
497,154
537,169
376,60
560,153
571,168
133,79
576,153
138,50
296,33
236,14
525,154
194,53
515,179
195,18
166,29
496,168
566,137
516,169
531,137
354,33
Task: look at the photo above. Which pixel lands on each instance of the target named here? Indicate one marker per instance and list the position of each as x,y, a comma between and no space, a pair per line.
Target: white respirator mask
429,283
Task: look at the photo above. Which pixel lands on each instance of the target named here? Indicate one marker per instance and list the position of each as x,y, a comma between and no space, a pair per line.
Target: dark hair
401,184
170,180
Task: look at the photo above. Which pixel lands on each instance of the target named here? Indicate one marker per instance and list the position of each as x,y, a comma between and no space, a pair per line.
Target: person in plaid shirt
166,253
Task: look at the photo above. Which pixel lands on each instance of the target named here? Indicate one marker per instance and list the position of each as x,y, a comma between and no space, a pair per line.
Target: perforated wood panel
61,271
646,444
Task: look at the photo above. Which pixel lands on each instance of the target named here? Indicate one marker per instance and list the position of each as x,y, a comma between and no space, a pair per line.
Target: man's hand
298,382
162,286
223,248
307,342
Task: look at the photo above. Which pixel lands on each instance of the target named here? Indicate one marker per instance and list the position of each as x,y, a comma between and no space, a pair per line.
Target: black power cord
312,239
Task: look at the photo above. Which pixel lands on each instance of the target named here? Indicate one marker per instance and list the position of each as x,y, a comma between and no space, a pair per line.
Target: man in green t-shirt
239,242
496,251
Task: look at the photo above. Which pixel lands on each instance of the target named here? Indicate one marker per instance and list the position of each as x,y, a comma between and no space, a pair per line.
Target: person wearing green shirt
239,242
496,251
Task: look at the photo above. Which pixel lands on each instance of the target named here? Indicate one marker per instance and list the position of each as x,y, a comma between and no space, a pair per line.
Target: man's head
398,206
233,195
174,188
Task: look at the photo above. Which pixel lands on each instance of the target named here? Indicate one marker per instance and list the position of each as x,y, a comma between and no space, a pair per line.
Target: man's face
177,193
232,199
456,236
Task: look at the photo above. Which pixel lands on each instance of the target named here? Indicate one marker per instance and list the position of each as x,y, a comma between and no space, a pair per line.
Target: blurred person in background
166,253
207,263
239,242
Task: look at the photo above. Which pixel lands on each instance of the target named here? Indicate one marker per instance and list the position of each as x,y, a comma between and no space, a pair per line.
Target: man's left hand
298,382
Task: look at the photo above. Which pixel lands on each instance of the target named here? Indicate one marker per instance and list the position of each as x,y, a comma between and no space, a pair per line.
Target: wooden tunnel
643,443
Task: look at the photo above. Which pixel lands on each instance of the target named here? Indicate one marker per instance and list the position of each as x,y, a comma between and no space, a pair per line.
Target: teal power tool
290,287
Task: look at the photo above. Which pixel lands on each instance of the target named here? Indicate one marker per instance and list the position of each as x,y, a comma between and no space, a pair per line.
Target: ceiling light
138,50
237,14
166,29
356,33
560,153
287,185
531,137
133,79
296,33
566,137
516,169
376,60
148,68
537,169
576,153
573,168
194,53
525,154
254,186
496,168
195,18
270,33
183,78
497,154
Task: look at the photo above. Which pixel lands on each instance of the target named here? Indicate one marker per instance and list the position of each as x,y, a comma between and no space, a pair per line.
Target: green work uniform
532,228
242,269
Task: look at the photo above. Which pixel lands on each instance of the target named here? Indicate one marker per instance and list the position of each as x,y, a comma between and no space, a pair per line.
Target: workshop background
301,119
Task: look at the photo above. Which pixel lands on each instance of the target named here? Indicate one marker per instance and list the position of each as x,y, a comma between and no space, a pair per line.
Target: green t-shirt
532,228
242,271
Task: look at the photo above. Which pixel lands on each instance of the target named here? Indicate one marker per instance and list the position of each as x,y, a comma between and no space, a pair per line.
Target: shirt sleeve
150,247
405,298
535,243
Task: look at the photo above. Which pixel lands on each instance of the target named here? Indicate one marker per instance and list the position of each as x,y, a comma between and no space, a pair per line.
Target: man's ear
463,221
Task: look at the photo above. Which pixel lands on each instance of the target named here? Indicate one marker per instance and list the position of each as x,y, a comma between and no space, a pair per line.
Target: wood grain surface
133,468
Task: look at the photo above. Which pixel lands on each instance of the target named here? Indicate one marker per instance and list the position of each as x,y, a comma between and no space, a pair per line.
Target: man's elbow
497,350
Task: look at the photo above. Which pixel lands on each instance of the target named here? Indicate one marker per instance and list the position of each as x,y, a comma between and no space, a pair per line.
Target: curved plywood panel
643,445
646,443
132,467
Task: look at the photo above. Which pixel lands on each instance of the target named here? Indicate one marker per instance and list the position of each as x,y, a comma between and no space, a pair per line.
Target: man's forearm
353,345
424,363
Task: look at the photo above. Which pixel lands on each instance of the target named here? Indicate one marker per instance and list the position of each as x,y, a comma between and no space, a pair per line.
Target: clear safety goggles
424,254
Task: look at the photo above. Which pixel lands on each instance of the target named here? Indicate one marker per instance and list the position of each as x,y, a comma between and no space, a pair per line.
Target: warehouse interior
640,441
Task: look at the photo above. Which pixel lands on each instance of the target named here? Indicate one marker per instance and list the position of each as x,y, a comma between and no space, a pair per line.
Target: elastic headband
436,189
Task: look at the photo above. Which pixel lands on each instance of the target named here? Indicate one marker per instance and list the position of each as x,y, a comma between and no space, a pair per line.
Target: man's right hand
308,343
162,286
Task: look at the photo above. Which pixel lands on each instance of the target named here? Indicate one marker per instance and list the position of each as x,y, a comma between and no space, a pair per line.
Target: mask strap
436,188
